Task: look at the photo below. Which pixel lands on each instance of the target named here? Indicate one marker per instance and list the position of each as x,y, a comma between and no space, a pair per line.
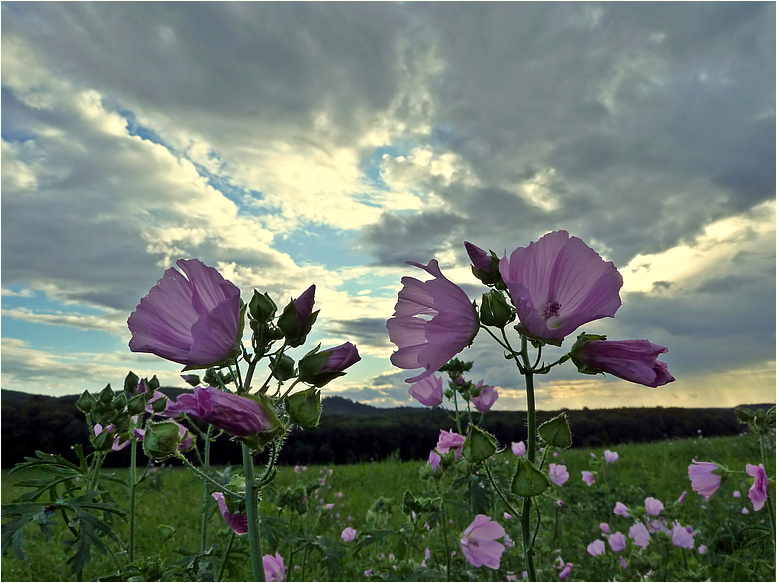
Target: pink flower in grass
558,284
596,548
622,509
610,456
558,474
681,537
653,507
427,391
348,534
703,480
702,549
274,569
617,542
518,448
430,344
450,440
760,485
237,415
736,494
238,522
605,527
565,571
631,360
191,318
681,498
640,534
478,542
486,399
588,477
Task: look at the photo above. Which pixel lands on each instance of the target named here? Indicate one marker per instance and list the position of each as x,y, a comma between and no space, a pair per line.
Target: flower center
551,309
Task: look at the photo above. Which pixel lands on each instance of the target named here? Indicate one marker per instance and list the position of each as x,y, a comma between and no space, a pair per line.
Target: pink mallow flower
238,522
564,575
631,360
191,318
617,542
596,548
610,456
681,537
703,480
434,460
588,477
558,474
450,440
348,534
486,399
558,284
622,509
478,542
653,507
427,391
640,535
237,415
760,485
518,448
429,344
605,527
274,569
681,498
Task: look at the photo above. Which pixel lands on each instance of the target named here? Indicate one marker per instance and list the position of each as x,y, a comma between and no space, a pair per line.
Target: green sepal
86,402
136,404
556,432
479,445
159,405
310,368
528,481
495,311
161,440
193,380
152,385
122,422
103,441
283,368
120,402
131,384
534,339
304,408
261,307
293,330
106,395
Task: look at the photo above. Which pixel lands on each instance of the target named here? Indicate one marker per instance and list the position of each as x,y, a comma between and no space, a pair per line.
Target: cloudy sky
296,143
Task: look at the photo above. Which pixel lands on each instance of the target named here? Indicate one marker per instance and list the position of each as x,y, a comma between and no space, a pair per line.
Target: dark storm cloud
369,331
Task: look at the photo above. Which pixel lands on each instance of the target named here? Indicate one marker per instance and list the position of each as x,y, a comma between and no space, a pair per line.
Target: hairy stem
252,511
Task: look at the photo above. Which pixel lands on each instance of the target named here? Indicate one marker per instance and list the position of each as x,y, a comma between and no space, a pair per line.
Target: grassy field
739,545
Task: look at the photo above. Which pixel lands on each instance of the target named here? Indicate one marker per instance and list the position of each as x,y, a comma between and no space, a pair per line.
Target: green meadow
169,502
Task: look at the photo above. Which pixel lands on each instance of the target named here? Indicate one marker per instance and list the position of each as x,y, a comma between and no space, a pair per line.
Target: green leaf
528,481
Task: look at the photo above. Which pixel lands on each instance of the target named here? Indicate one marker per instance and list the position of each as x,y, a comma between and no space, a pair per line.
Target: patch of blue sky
323,245
371,164
385,286
62,339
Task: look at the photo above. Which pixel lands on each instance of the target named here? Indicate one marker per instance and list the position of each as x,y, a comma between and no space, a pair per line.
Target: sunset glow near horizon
292,144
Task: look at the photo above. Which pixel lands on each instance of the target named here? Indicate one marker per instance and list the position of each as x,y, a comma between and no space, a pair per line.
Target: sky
293,143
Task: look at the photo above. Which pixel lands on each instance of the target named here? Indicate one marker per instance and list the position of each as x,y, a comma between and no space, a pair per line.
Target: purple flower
565,571
480,259
702,549
450,440
631,360
429,344
703,480
653,507
681,498
341,357
736,494
640,534
348,534
237,522
605,527
681,537
760,485
622,509
237,415
486,399
192,320
519,448
274,569
596,548
623,563
617,542
434,460
588,477
558,284
478,542
745,511
558,474
610,456
427,391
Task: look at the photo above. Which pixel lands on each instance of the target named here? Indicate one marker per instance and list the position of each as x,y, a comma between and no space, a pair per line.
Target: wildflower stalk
132,486
531,446
252,512
769,506
205,477
445,543
206,498
226,556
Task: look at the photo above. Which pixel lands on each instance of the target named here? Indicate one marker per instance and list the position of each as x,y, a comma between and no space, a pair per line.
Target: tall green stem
252,512
769,506
531,446
133,482
206,496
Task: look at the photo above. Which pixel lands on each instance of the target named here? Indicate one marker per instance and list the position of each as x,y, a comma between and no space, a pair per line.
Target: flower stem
203,476
499,492
769,505
226,556
132,487
206,500
531,443
445,543
252,511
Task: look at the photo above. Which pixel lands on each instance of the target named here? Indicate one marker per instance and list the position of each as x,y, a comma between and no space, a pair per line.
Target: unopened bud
304,408
86,402
495,311
161,440
261,307
478,446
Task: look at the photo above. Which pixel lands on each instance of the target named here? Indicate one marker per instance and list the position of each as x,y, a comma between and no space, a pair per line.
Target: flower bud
161,440
261,307
86,402
528,481
131,383
478,446
136,404
120,402
283,368
319,368
159,405
298,318
495,311
485,266
106,395
556,432
152,385
191,379
304,408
